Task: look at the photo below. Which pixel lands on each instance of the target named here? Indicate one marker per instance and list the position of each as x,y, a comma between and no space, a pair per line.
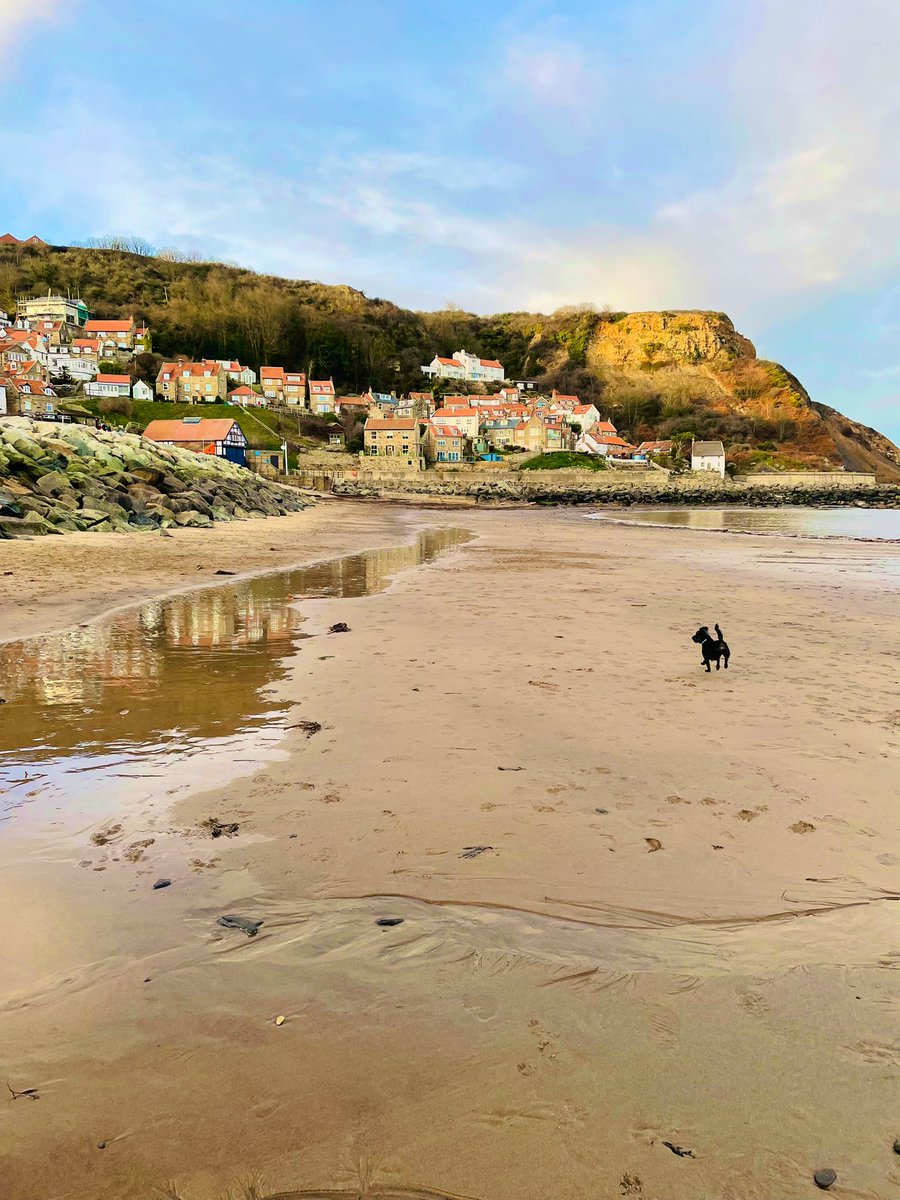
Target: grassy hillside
658,375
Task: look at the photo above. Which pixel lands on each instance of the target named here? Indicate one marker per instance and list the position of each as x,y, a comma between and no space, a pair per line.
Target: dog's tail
719,634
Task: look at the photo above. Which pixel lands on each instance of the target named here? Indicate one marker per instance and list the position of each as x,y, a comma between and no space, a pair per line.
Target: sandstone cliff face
671,374
649,338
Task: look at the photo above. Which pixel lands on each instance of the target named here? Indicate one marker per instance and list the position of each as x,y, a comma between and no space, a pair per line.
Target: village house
355,406
33,371
33,344
109,385
445,443
500,432
246,397
72,313
541,433
584,415
463,365
141,390
272,382
648,448
192,383
321,396
391,437
708,456
295,388
234,370
466,419
8,240
79,368
34,398
118,338
607,445
221,436
444,368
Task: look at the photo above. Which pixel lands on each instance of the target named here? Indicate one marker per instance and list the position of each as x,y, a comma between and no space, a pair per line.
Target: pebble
897,1146
824,1178
601,811
162,883
279,1020
101,1145
389,922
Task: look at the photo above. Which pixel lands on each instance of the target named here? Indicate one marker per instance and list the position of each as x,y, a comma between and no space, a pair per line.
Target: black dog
712,647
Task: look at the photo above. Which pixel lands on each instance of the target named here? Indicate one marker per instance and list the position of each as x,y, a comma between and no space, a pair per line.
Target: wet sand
563,998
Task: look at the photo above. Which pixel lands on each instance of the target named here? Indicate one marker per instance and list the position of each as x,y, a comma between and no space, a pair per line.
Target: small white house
142,390
109,385
585,415
708,456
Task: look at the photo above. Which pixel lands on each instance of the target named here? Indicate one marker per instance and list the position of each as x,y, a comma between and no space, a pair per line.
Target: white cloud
811,205
17,15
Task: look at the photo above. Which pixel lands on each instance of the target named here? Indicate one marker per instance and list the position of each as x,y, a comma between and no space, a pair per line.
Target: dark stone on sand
245,924
601,811
217,828
340,627
897,1146
389,922
824,1178
226,572
101,1145
162,883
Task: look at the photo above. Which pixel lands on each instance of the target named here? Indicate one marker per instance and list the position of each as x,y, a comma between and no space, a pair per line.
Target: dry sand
556,1008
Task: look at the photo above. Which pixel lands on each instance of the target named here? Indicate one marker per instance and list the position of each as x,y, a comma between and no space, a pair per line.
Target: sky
736,155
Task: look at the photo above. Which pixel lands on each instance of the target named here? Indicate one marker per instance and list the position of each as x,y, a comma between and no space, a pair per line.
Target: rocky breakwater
60,478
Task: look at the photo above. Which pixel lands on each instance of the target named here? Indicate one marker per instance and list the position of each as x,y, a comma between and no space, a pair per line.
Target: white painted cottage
708,456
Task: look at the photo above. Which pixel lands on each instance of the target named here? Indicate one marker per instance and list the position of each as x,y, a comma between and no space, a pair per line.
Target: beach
648,915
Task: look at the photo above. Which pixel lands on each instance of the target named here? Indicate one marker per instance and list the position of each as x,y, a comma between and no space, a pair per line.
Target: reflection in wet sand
173,677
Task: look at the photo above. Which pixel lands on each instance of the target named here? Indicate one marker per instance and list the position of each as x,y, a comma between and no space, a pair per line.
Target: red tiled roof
9,240
391,423
86,343
242,391
271,372
326,386
108,326
113,379
490,362
214,430
604,427
448,362
455,412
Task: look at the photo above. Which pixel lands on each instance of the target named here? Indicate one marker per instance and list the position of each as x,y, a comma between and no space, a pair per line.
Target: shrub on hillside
115,404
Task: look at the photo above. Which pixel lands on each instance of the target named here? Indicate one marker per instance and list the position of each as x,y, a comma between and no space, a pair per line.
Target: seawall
623,486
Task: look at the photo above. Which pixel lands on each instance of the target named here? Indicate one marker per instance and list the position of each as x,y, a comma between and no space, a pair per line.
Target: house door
235,454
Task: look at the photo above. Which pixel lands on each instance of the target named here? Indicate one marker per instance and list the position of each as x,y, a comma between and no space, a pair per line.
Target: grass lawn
556,460
262,429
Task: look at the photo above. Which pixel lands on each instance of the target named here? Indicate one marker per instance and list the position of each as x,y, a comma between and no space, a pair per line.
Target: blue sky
739,155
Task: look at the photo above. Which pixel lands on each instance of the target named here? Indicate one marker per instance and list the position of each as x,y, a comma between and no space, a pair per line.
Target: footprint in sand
802,827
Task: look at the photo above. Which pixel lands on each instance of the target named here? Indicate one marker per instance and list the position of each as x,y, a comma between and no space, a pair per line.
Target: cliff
658,374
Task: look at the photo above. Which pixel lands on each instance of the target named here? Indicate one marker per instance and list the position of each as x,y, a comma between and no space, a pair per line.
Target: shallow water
142,693
877,524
